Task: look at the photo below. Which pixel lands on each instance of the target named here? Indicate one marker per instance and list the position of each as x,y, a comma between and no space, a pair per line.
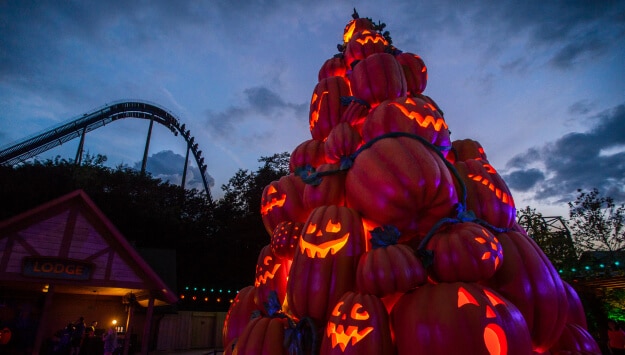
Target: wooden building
64,260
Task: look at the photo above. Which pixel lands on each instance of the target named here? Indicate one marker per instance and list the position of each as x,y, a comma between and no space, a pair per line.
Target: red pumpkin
575,340
271,275
415,72
377,78
358,324
263,335
308,153
356,25
465,149
388,267
329,191
239,314
334,66
488,195
285,239
464,252
458,318
282,201
342,141
355,114
411,115
400,182
363,44
326,107
324,268
529,280
576,314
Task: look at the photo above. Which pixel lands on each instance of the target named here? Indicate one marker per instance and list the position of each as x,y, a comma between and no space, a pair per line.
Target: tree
555,242
597,222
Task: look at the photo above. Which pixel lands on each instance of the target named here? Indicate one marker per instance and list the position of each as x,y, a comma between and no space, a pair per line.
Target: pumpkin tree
388,236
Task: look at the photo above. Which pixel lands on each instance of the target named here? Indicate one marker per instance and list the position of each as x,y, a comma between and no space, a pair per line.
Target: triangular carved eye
312,227
464,297
494,300
271,190
358,313
333,227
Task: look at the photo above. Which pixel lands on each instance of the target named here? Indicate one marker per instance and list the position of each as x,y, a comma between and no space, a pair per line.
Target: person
110,341
89,343
79,331
616,338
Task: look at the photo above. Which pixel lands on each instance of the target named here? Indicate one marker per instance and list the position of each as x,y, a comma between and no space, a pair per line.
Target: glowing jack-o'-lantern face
271,275
326,107
488,195
411,115
493,325
330,238
363,44
357,324
282,201
344,332
465,252
494,335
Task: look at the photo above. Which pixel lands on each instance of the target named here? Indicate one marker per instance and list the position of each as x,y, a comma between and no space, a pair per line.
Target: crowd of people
78,338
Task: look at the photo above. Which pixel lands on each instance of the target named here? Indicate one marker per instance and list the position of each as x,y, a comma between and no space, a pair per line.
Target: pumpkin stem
301,338
355,14
384,236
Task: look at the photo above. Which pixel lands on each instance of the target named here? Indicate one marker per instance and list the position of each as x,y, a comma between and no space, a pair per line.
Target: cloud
258,103
592,159
168,166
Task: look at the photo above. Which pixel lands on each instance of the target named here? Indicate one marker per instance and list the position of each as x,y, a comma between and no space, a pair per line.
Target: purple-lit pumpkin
358,324
458,318
415,72
329,191
355,114
488,195
239,314
324,267
271,275
282,201
574,339
377,78
363,44
400,182
529,280
464,252
285,239
308,153
410,115
263,335
342,141
326,107
334,66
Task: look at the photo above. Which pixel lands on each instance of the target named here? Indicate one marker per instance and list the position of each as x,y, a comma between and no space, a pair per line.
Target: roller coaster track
28,147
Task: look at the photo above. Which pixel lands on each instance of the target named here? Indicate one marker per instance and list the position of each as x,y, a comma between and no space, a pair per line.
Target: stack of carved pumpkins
389,238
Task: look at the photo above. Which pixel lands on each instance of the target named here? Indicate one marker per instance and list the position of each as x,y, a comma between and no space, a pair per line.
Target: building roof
72,227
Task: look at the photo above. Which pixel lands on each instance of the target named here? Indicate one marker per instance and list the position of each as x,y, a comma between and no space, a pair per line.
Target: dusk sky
540,84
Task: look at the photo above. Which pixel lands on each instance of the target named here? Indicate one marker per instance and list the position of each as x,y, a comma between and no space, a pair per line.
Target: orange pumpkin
377,78
326,107
282,201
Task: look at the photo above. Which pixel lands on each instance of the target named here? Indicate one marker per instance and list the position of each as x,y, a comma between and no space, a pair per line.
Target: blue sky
540,84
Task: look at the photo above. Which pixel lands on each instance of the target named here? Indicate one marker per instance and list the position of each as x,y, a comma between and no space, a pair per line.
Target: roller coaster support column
78,159
186,164
147,147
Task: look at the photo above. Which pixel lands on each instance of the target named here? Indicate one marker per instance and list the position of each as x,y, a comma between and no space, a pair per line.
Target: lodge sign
57,268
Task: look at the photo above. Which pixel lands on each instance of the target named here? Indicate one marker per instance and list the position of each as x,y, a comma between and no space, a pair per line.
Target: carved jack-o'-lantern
415,71
488,195
239,314
334,66
411,115
358,324
363,44
356,25
491,325
326,107
271,275
464,252
324,267
282,201
285,239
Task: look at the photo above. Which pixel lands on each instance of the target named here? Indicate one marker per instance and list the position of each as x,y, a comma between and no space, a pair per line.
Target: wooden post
145,340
